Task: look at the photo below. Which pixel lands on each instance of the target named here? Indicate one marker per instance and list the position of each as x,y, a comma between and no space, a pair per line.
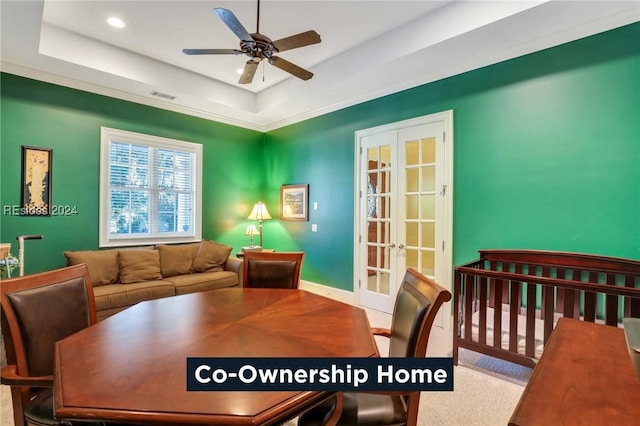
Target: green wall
68,121
547,156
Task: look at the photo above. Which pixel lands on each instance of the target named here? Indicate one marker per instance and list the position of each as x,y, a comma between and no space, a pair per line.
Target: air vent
162,95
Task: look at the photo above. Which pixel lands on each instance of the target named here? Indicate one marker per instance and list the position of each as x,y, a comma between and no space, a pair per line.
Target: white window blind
150,189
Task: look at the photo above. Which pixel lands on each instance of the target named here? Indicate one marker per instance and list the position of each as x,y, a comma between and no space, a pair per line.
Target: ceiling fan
258,47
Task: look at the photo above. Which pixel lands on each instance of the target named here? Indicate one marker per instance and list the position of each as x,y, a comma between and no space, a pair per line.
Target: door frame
447,254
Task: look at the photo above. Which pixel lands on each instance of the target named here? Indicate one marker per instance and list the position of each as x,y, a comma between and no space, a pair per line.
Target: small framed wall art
294,202
36,181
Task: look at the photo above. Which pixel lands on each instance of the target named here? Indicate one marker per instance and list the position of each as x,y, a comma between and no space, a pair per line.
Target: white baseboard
331,292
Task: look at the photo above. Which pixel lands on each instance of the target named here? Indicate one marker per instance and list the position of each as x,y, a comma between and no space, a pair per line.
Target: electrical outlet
314,227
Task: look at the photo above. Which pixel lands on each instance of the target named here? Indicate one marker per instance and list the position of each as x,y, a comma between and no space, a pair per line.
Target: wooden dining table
584,377
131,367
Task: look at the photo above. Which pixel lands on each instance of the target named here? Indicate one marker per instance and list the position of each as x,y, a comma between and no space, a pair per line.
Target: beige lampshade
251,230
259,212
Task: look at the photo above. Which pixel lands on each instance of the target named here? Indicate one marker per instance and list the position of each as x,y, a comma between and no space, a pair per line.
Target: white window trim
106,136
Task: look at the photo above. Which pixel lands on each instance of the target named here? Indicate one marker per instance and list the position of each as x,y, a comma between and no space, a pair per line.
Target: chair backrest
417,303
40,309
272,269
37,311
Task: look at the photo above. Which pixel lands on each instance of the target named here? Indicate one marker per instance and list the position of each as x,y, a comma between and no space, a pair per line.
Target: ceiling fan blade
233,23
292,69
248,72
299,40
211,51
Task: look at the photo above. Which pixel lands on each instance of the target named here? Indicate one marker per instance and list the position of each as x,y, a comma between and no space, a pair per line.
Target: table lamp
259,213
251,231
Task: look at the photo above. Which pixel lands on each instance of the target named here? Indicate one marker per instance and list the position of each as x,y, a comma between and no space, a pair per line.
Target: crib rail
515,292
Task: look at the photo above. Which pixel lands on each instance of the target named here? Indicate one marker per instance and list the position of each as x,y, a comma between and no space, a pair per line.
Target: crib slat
544,271
560,293
632,306
493,266
497,312
548,304
514,311
482,323
590,301
457,315
611,303
567,300
468,304
572,301
530,335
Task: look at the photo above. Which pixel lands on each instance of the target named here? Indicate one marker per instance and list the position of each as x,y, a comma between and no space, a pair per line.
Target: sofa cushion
177,259
122,296
211,257
102,264
203,281
139,265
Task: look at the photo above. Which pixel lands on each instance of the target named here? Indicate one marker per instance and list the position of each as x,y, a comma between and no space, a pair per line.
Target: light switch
314,227
315,205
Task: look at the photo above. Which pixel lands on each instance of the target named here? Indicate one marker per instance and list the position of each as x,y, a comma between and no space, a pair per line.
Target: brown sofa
123,277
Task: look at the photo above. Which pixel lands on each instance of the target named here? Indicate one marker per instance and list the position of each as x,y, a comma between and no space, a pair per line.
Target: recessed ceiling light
115,22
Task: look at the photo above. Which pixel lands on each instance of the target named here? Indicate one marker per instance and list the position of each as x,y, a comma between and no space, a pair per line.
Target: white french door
403,211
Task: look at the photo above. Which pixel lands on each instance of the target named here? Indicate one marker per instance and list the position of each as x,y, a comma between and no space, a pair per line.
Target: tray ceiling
368,49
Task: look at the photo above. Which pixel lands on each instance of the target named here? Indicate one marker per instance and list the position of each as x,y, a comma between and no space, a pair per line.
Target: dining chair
417,303
264,269
37,311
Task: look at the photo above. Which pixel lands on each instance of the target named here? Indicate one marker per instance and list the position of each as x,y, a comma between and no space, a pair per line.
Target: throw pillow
211,257
139,265
177,259
102,264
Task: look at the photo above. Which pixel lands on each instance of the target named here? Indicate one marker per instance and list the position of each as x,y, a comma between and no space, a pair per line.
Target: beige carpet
486,391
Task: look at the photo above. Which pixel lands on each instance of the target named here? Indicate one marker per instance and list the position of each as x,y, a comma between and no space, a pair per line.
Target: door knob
401,246
392,245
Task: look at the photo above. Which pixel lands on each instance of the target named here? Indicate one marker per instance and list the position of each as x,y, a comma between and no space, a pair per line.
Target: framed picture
294,202
36,181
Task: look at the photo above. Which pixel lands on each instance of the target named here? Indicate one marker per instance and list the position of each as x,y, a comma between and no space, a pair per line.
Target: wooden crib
492,299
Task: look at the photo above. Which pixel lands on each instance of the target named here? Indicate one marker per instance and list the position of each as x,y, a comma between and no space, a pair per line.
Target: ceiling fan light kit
258,47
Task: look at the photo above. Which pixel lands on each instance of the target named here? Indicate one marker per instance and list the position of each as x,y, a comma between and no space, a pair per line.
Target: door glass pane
428,234
385,182
384,261
413,156
429,178
428,206
384,283
385,229
412,206
412,180
428,150
372,156
412,258
385,207
372,236
385,156
428,263
372,281
412,233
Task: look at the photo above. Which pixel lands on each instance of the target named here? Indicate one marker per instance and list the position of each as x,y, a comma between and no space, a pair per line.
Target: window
150,189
